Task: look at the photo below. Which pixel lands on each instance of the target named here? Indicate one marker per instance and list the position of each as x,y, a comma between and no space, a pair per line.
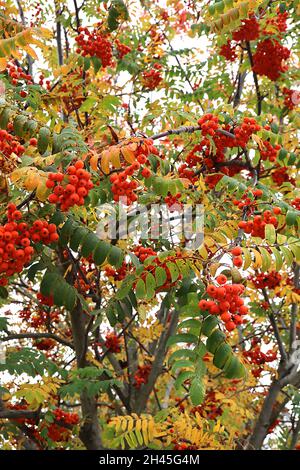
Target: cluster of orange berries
47,83
243,132
121,187
280,176
209,124
113,342
173,202
256,227
226,302
70,189
10,148
269,58
296,203
270,152
291,98
45,300
257,357
95,44
42,231
38,317
16,73
122,49
236,256
118,274
246,200
269,280
15,245
152,78
142,374
248,31
65,417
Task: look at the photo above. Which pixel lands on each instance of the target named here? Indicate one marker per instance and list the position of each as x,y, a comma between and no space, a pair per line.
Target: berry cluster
45,344
38,316
269,59
122,49
209,124
95,44
291,98
296,203
280,176
70,189
248,200
44,300
16,74
270,152
257,357
237,258
256,227
113,342
173,202
118,274
280,22
10,149
243,132
42,231
121,187
142,374
47,83
152,78
64,417
226,302
269,280
15,249
249,31
228,51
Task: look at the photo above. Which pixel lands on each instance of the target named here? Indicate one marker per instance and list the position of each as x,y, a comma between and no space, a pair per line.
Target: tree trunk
265,418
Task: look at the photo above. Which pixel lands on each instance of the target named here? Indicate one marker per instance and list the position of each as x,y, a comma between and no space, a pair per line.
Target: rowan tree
149,340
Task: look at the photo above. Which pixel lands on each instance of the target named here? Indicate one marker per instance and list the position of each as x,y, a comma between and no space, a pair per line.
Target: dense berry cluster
118,274
122,187
228,51
141,375
45,344
226,302
44,300
270,151
37,317
113,342
15,245
296,203
173,202
269,59
256,227
249,31
122,49
10,149
280,175
42,231
17,74
269,280
257,357
209,124
70,189
279,21
291,98
95,44
243,132
64,417
152,78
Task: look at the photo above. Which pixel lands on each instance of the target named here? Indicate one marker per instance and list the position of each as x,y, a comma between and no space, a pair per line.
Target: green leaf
222,354
77,237
234,369
182,338
174,271
182,377
160,276
214,340
116,256
101,251
3,292
140,289
197,391
89,244
270,233
210,323
150,285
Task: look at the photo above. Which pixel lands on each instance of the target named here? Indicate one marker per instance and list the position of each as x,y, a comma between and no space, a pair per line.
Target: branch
258,94
60,340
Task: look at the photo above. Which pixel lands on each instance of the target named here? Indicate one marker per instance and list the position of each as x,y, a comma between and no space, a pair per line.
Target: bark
264,420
